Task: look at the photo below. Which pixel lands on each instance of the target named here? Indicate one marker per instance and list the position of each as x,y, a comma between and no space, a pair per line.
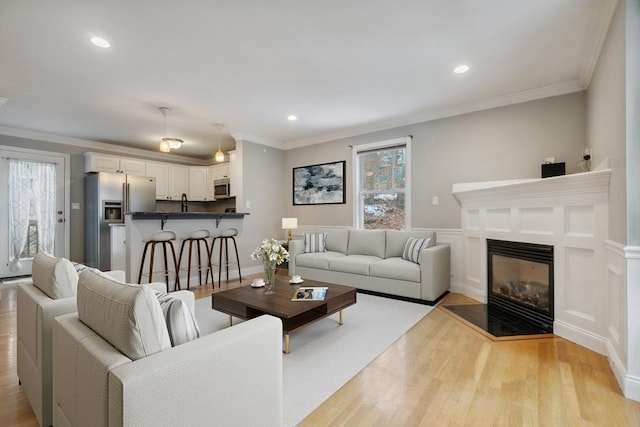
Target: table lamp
289,224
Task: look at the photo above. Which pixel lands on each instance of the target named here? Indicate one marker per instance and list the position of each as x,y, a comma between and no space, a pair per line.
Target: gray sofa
371,260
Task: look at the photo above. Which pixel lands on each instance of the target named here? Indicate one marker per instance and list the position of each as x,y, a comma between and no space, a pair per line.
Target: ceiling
342,67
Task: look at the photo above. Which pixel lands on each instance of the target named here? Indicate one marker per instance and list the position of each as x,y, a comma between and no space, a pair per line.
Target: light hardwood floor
440,373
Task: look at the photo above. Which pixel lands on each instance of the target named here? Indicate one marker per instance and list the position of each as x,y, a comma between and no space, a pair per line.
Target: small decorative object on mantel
319,184
272,254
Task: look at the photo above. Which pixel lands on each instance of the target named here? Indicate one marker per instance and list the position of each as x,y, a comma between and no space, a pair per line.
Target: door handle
60,219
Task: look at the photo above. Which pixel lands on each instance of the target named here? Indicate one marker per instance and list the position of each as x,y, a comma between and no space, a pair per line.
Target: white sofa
371,260
232,377
51,294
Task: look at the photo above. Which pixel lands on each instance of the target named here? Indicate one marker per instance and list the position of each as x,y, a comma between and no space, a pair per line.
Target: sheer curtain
44,203
31,193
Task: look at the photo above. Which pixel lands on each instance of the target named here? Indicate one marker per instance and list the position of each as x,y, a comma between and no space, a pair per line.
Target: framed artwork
320,184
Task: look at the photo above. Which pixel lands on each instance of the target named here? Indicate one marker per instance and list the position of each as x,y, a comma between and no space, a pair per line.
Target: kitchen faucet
184,207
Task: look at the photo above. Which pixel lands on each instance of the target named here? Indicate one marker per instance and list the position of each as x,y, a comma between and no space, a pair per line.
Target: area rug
324,356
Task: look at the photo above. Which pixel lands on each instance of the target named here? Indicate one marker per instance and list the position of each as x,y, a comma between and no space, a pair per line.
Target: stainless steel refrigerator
107,196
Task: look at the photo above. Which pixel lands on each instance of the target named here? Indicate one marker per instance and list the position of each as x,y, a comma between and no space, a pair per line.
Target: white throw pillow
127,316
413,247
181,323
314,242
56,277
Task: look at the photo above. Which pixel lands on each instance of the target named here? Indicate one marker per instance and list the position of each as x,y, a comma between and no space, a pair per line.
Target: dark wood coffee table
247,302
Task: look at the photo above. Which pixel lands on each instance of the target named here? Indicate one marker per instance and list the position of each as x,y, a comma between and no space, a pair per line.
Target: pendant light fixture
168,144
219,156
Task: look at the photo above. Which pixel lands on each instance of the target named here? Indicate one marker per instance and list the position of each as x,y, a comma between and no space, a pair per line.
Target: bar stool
164,238
198,237
224,237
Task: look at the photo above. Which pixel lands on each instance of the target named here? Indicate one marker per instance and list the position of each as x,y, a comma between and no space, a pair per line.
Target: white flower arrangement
270,251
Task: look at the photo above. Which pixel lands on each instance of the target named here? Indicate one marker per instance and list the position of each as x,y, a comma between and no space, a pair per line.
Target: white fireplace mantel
569,212
596,182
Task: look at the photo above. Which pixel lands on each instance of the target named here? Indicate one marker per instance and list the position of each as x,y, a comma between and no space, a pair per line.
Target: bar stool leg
237,260
226,257
153,253
166,266
144,254
211,251
220,261
176,266
198,242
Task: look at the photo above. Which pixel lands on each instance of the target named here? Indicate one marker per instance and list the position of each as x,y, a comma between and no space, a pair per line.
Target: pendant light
168,144
219,156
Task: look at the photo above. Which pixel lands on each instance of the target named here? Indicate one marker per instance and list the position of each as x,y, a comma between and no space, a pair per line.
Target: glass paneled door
32,208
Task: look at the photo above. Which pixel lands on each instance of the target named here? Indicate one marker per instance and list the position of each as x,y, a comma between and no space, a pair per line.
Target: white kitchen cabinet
118,247
96,162
178,181
234,179
160,171
211,176
222,171
198,183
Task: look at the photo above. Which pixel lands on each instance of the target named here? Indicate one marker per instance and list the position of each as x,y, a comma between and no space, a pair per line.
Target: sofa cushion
367,242
356,264
318,260
337,239
396,268
413,247
127,316
314,242
56,277
181,323
396,240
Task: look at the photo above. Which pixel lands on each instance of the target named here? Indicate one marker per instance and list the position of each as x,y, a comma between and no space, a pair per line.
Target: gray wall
262,186
606,120
502,143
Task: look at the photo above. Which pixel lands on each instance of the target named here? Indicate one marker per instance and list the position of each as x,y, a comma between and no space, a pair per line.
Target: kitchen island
140,226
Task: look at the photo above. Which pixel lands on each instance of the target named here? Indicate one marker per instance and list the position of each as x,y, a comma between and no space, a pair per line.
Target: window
382,185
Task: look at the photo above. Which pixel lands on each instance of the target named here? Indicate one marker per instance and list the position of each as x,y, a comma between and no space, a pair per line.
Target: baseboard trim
469,291
580,336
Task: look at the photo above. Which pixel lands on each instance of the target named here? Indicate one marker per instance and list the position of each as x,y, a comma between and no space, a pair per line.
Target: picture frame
319,184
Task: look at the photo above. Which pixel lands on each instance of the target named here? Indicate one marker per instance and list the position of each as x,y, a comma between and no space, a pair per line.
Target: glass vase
269,276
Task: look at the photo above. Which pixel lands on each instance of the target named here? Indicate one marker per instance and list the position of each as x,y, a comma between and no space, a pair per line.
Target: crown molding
471,107
103,147
244,136
603,12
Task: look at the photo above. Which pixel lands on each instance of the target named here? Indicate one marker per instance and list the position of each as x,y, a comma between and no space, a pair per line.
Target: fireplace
520,281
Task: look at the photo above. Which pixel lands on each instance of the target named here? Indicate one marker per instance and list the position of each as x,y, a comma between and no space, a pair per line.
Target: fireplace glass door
521,279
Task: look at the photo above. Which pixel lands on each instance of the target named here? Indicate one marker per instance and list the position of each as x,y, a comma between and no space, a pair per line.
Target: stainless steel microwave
222,188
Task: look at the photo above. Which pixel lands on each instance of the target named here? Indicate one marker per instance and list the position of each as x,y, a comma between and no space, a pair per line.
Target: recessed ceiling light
292,118
461,69
100,42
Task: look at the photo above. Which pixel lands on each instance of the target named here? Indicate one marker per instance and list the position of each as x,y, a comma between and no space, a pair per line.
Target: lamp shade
289,223
164,146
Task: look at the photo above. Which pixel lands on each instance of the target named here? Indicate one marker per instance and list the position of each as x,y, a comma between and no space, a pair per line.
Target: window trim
357,149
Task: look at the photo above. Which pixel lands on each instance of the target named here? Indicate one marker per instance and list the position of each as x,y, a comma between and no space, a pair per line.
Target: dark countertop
186,215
